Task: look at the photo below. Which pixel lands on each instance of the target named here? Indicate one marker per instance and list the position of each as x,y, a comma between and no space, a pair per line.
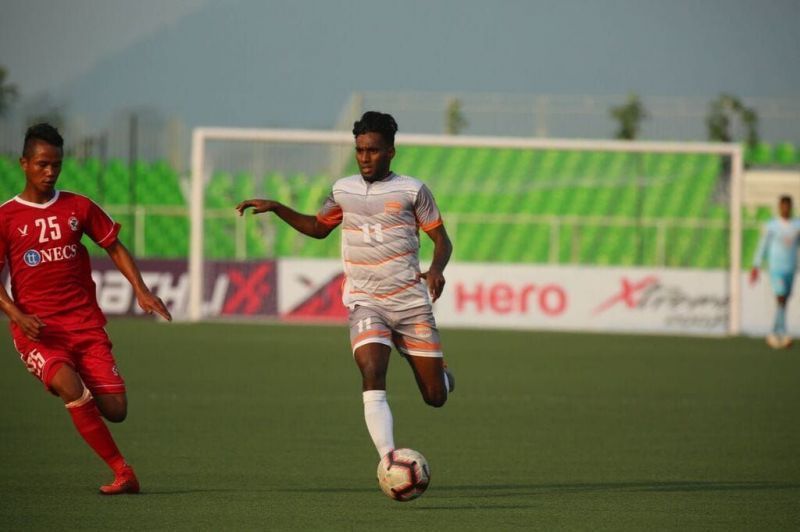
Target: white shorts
412,332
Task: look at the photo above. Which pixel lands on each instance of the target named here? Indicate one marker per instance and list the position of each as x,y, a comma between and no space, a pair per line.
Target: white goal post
201,174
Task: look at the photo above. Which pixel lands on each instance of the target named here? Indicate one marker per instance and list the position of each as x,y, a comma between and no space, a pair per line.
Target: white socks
379,420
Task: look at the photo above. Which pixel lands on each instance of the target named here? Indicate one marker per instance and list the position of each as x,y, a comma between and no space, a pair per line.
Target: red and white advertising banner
311,289
241,289
658,300
581,298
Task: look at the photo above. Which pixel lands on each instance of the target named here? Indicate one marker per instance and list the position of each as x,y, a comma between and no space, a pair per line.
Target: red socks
92,428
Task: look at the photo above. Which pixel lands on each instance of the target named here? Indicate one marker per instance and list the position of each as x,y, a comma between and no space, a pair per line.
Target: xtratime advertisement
581,298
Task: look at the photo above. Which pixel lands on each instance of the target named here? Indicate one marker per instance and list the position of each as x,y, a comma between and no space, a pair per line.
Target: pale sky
48,43
294,62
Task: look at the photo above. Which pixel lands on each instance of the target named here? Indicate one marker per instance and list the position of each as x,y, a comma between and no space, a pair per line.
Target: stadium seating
780,155
601,204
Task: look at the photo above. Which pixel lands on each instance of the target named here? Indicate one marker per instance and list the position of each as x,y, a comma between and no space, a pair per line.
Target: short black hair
785,198
376,122
43,132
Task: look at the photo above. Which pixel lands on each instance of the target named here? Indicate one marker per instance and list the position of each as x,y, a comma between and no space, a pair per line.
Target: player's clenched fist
30,324
258,206
435,281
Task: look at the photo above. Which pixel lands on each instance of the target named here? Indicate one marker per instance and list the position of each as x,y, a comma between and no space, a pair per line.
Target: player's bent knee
116,416
113,407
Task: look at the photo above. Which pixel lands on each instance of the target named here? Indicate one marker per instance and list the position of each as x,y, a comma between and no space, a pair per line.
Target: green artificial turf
250,427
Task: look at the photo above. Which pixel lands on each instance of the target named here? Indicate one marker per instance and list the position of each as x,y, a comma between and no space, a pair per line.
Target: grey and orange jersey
380,238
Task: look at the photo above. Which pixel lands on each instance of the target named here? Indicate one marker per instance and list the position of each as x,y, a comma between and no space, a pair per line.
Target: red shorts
88,352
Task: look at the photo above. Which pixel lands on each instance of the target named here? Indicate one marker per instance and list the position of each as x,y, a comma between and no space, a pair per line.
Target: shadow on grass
497,491
187,491
501,490
504,490
489,491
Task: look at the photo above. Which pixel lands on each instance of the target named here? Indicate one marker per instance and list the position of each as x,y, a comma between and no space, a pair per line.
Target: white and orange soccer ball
403,474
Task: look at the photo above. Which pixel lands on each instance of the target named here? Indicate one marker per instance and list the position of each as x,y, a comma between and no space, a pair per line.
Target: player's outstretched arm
303,223
148,301
30,324
442,249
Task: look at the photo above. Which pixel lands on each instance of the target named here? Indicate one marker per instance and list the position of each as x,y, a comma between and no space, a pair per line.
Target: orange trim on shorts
414,344
367,334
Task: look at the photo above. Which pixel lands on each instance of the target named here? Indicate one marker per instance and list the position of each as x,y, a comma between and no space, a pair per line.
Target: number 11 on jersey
377,232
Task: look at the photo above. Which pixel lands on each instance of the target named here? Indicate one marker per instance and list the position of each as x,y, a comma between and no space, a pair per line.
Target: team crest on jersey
73,223
392,207
32,257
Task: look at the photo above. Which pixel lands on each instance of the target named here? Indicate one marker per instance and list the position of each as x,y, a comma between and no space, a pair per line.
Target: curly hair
376,122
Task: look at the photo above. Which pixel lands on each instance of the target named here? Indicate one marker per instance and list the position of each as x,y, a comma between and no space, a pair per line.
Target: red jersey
51,275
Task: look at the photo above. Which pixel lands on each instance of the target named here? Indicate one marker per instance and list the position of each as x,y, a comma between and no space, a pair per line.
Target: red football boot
125,482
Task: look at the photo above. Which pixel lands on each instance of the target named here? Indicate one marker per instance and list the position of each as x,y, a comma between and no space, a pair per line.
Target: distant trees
726,114
721,113
8,91
629,117
454,120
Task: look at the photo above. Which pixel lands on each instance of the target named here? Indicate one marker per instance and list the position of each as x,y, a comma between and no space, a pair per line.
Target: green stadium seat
786,154
474,181
764,213
759,155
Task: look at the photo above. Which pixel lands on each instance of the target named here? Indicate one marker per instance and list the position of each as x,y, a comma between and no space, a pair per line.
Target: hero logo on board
505,298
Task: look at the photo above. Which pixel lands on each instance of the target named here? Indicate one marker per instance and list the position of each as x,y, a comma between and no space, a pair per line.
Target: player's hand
151,303
30,324
435,281
754,276
258,206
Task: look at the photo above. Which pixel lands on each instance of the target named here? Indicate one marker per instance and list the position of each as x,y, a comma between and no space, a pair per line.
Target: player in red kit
56,324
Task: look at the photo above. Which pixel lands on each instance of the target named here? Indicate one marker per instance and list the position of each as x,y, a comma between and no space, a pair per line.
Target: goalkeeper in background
779,244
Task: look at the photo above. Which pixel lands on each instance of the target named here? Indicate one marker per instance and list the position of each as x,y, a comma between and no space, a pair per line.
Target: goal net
570,208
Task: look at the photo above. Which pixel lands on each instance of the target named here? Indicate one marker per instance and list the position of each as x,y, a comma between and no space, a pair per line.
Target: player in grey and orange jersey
389,298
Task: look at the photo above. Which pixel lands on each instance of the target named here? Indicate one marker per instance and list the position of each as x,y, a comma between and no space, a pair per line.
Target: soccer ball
403,474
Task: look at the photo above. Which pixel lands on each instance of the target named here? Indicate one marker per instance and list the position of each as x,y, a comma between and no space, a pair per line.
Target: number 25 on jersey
50,223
